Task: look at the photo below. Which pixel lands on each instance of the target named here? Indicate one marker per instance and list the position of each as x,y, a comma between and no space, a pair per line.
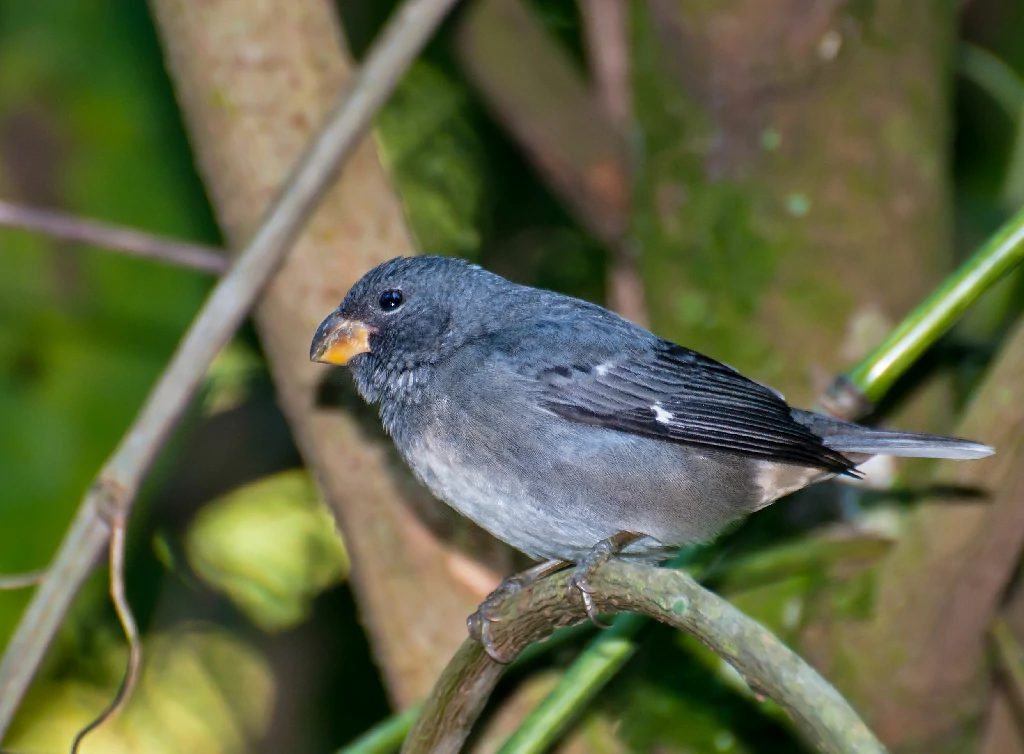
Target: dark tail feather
853,438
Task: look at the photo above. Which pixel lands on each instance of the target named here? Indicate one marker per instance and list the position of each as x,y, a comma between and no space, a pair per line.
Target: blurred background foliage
237,574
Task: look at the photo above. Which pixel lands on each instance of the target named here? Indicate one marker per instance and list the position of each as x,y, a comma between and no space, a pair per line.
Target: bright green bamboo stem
384,737
577,687
933,318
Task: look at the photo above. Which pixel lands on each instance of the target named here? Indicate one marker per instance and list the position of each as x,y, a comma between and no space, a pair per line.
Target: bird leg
599,554
480,621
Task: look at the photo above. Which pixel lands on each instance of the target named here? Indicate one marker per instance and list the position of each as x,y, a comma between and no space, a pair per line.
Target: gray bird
570,433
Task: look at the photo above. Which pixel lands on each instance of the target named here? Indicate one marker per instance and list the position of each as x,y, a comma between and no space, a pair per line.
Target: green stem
577,687
386,736
877,373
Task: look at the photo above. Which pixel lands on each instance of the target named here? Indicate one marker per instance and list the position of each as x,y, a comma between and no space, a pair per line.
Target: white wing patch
660,414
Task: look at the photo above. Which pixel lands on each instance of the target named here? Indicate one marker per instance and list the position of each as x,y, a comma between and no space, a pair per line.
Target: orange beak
338,340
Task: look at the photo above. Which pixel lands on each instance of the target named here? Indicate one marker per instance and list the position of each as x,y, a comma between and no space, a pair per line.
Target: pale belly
559,496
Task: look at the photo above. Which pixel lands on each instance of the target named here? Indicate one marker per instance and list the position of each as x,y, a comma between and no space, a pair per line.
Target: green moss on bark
793,176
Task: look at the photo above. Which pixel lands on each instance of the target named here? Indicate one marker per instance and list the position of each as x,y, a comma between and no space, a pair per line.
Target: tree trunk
254,81
794,200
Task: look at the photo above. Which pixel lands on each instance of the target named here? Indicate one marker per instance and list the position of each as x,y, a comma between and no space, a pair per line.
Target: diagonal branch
824,718
110,496
71,228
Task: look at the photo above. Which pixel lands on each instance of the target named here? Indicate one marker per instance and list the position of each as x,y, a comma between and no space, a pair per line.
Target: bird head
406,313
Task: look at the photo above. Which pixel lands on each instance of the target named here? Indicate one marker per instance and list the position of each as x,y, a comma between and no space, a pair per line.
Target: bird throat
392,387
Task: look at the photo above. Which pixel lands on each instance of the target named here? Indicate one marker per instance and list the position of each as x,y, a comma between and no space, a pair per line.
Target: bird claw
479,623
489,612
599,554
579,582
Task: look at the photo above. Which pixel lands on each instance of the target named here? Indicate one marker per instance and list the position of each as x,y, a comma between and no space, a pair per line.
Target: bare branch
118,481
824,718
131,633
71,228
21,580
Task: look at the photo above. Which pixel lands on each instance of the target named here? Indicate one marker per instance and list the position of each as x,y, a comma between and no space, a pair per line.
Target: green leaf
201,691
270,547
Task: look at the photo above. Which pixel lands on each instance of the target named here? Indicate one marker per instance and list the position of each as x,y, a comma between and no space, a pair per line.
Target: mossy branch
823,717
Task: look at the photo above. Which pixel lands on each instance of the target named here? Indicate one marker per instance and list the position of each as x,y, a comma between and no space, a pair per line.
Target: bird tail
854,438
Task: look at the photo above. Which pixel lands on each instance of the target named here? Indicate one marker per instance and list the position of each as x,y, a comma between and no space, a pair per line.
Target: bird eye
390,300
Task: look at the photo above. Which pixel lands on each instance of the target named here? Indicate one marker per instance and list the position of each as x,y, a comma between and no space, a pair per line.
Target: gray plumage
554,423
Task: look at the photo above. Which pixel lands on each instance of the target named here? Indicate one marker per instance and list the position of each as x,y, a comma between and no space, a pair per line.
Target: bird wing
672,393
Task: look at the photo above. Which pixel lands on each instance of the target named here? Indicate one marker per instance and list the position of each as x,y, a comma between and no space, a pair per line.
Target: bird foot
479,623
599,554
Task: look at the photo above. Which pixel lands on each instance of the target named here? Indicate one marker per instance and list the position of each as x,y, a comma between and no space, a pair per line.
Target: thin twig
118,481
71,228
824,718
385,737
21,580
131,633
